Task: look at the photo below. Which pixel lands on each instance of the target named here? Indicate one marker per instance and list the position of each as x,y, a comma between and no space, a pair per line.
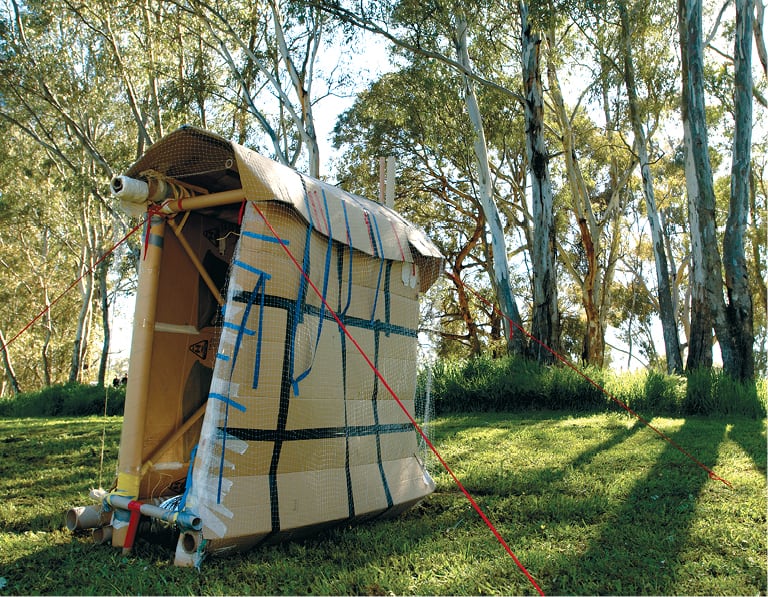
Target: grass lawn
594,504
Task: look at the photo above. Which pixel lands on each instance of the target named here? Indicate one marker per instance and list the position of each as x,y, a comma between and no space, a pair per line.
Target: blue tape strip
265,237
188,483
227,401
321,316
381,270
262,285
249,268
300,299
233,326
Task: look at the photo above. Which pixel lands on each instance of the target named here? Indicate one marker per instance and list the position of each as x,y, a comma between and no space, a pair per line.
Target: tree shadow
639,544
750,435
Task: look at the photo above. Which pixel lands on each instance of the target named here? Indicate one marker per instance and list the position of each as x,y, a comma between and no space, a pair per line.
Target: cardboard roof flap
209,161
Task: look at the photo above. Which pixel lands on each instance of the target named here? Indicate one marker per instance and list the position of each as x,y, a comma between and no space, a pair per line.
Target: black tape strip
289,435
282,417
278,302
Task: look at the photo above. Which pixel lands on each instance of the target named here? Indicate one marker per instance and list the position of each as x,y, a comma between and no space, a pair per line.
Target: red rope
562,359
389,389
71,286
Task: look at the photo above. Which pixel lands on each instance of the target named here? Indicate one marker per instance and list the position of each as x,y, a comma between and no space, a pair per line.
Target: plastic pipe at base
102,535
86,517
187,549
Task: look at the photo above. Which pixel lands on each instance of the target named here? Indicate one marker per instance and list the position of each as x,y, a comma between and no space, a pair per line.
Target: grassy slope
594,504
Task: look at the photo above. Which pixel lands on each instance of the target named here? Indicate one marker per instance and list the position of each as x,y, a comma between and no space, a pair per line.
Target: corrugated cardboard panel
297,404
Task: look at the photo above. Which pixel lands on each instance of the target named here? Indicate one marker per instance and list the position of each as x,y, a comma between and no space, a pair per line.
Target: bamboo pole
173,438
196,262
137,390
172,206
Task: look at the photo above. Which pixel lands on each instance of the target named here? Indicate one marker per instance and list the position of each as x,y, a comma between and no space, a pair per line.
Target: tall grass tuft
65,400
714,392
513,384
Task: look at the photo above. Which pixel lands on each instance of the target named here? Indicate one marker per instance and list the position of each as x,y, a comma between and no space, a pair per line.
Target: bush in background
485,384
65,400
514,383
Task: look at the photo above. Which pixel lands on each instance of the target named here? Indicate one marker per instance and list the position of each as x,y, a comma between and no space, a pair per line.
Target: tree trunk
757,27
155,102
8,366
666,308
599,270
698,178
81,335
739,307
47,317
707,306
500,278
104,301
473,335
546,321
302,82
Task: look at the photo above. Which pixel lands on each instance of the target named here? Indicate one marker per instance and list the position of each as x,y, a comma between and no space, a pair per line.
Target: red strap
133,523
242,211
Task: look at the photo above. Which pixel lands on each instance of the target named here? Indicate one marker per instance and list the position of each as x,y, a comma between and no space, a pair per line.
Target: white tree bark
8,366
664,290
706,280
739,309
515,341
546,321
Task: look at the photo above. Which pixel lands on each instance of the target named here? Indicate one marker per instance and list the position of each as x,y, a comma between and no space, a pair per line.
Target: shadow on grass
637,549
753,444
597,520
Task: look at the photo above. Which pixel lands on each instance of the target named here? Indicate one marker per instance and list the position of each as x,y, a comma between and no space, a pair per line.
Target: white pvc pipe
184,520
86,517
134,190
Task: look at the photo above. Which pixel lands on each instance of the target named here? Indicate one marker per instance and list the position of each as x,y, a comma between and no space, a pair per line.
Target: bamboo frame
174,206
173,438
137,390
196,262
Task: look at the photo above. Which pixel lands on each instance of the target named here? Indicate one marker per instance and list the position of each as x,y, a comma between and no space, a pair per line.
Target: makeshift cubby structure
274,313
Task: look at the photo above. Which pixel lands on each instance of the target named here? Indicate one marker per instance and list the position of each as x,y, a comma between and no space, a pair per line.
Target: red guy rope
562,359
389,389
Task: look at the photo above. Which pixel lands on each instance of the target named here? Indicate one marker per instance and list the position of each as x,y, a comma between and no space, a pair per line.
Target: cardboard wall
298,430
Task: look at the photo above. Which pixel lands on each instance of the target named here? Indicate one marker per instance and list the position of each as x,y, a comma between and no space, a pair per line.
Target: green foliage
513,383
590,505
714,392
66,400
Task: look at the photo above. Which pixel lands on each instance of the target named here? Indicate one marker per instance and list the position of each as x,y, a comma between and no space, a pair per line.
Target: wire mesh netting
287,322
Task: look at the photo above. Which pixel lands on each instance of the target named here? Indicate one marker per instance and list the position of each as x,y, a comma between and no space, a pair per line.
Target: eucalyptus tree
631,23
597,170
500,274
732,320
439,31
35,245
76,88
758,242
272,51
546,317
415,115
739,310
45,88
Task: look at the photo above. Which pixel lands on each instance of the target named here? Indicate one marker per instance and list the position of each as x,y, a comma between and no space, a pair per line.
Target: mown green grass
590,505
